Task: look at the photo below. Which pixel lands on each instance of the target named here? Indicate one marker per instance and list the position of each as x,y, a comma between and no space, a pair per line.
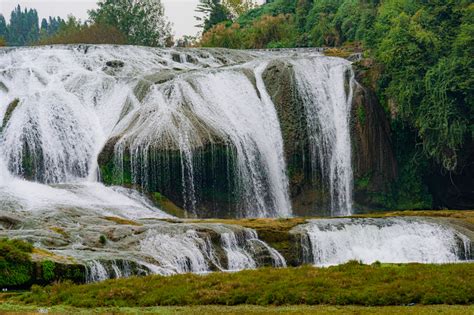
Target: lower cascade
397,240
166,252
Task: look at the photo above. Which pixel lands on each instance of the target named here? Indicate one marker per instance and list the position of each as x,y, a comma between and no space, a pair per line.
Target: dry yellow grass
122,221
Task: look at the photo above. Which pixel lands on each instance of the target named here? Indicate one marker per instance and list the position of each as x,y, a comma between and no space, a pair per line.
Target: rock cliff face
373,161
306,194
454,190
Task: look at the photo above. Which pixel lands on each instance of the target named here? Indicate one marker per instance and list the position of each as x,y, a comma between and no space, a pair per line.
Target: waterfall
205,107
390,240
177,253
194,251
325,88
173,250
198,130
197,126
97,270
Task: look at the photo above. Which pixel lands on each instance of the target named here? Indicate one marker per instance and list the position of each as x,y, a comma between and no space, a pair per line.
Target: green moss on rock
8,114
16,266
18,270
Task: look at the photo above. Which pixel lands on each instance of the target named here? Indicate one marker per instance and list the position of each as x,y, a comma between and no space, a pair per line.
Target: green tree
142,21
3,27
238,7
211,13
23,28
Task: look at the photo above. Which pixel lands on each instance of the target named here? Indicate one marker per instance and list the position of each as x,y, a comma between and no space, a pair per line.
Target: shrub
87,34
47,267
266,32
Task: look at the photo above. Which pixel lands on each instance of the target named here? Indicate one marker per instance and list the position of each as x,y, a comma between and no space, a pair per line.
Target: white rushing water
326,92
193,252
226,104
73,99
389,240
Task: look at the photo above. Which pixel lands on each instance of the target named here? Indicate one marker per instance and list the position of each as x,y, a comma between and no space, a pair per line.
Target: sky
179,12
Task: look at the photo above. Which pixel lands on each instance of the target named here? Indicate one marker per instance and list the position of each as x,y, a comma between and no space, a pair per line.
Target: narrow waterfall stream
325,87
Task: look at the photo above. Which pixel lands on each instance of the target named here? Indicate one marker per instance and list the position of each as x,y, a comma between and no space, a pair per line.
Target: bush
87,34
266,32
47,267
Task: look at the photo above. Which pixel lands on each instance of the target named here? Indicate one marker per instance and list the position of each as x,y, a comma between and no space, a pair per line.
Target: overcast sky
179,12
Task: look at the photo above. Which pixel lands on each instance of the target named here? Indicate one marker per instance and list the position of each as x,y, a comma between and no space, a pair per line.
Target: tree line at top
24,27
135,22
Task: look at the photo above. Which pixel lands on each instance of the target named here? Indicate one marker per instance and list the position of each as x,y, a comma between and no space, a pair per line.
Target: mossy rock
16,267
214,189
307,193
8,114
19,271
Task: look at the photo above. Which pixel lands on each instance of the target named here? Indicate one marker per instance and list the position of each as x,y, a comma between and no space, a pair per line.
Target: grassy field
246,309
349,284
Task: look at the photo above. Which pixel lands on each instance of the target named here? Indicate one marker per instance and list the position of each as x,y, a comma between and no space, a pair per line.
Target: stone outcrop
279,81
374,163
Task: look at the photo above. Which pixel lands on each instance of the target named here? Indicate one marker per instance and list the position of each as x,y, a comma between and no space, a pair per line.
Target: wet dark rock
8,114
176,57
115,64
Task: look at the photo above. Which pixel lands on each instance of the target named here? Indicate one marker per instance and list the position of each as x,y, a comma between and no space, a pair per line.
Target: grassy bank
349,284
246,309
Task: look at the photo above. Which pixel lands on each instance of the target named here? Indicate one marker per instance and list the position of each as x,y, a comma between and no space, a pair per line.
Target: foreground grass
349,284
246,309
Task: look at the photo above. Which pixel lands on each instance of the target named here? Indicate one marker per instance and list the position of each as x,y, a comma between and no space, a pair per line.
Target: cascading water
325,88
194,109
100,271
192,251
172,117
397,240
